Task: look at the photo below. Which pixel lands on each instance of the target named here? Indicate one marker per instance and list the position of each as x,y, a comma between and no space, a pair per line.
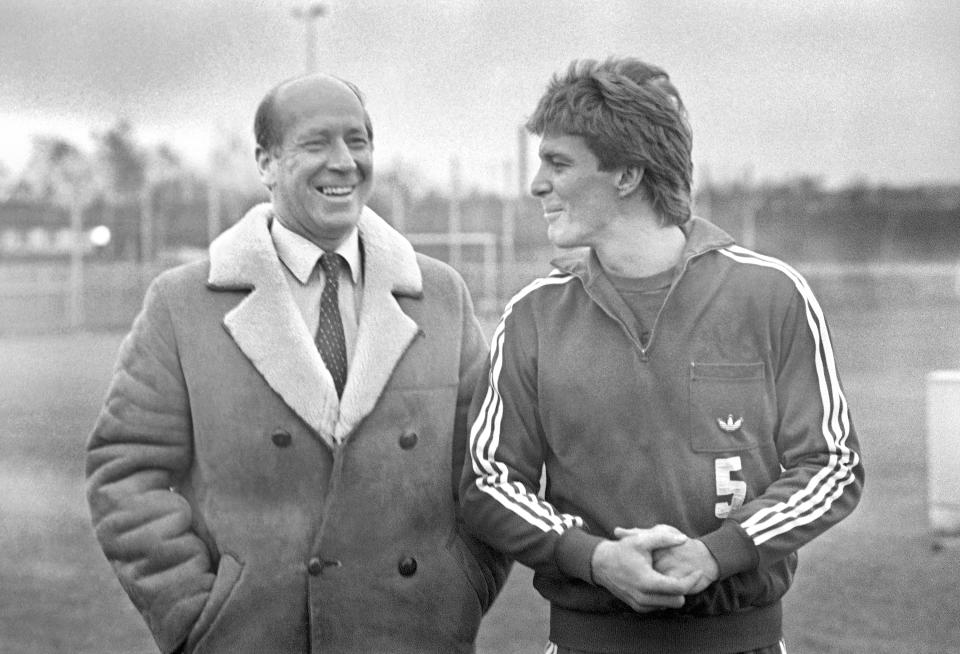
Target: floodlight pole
75,294
508,217
146,220
398,210
453,218
522,143
213,210
749,210
309,14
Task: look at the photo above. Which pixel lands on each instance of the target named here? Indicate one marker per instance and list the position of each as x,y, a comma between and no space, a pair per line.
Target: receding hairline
286,84
268,131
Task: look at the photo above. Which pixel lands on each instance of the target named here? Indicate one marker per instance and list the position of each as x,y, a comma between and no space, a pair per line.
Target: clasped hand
652,569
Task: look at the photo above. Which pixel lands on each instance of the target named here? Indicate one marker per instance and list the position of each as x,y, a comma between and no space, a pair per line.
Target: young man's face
579,200
321,176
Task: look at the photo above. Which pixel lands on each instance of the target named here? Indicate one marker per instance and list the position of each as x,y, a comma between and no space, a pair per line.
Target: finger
647,608
665,531
651,539
657,583
646,602
659,555
694,582
669,529
638,605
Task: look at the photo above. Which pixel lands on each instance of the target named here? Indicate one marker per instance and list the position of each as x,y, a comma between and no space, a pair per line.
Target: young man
679,390
276,464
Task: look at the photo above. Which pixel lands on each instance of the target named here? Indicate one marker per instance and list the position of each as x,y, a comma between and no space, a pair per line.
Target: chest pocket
726,406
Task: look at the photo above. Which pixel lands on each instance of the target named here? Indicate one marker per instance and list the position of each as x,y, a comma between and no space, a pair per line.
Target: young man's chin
560,239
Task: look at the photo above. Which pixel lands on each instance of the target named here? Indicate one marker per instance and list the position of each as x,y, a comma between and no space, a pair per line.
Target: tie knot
330,262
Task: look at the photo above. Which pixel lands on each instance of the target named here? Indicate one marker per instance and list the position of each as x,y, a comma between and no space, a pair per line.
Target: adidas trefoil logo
729,424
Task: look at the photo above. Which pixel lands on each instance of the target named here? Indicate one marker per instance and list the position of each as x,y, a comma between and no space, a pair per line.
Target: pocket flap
733,371
726,403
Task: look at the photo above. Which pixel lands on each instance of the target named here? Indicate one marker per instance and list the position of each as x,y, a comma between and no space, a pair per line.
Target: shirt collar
300,255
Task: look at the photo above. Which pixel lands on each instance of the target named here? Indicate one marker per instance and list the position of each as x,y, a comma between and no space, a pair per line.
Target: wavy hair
629,114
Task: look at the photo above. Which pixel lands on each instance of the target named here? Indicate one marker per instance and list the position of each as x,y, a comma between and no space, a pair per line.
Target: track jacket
730,425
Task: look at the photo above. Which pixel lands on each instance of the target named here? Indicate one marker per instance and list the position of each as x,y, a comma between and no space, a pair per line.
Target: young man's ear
629,180
265,165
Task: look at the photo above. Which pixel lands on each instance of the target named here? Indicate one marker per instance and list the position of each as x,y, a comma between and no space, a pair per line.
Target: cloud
839,89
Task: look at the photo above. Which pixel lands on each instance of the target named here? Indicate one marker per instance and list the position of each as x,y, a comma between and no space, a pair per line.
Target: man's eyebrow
323,132
550,153
313,133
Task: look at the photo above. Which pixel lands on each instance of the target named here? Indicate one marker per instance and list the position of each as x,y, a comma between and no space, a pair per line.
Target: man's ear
629,180
266,163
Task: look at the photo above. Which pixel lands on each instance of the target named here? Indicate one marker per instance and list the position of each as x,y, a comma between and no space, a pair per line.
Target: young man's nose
539,186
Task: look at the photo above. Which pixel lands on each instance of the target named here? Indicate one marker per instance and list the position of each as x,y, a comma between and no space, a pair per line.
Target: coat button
281,438
407,566
408,440
315,566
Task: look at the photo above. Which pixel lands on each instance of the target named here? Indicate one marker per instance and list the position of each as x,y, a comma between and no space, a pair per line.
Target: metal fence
44,298
54,296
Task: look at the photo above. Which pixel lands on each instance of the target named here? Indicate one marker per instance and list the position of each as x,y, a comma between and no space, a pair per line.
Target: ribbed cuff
574,552
732,548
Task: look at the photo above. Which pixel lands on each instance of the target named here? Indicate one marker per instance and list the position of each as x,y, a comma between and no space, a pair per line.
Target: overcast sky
856,89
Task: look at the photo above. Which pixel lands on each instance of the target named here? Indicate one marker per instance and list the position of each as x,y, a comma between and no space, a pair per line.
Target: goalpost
482,277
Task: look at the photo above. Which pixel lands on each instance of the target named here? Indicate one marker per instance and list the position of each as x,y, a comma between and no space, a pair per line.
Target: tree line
130,187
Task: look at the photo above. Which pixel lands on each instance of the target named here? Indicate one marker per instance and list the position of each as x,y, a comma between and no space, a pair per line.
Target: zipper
653,328
656,321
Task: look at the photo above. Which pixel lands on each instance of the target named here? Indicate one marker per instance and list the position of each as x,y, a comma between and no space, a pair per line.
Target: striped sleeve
499,490
822,473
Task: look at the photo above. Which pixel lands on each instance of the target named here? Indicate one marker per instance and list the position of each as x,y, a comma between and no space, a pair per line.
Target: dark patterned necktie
330,341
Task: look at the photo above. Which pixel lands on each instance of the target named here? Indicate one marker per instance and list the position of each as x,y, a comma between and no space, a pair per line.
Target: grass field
871,585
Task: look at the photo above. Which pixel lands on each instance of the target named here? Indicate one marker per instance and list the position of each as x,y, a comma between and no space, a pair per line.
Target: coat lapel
266,324
385,331
269,330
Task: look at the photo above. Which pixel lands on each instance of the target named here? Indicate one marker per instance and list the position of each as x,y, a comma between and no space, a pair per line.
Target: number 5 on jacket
727,486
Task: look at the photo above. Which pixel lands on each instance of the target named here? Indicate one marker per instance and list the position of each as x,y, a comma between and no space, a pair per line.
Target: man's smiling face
579,200
321,175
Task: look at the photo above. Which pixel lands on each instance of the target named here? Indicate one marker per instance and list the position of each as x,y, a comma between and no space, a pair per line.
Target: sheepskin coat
245,508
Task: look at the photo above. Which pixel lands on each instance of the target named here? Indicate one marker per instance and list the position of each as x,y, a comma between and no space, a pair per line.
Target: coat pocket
228,576
726,406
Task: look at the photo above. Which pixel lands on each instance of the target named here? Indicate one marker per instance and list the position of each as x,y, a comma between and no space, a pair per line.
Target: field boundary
37,297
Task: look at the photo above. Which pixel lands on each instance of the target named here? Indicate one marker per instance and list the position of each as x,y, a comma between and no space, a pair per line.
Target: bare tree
121,163
58,173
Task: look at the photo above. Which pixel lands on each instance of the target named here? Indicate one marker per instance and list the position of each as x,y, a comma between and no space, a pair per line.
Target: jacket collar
702,236
269,331
300,255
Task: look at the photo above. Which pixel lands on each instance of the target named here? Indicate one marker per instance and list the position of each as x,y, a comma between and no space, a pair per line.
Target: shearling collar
268,329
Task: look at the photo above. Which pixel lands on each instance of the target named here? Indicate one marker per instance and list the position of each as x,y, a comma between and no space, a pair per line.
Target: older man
274,467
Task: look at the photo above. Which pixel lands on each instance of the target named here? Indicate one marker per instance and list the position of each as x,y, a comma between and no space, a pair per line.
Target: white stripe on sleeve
492,475
813,500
